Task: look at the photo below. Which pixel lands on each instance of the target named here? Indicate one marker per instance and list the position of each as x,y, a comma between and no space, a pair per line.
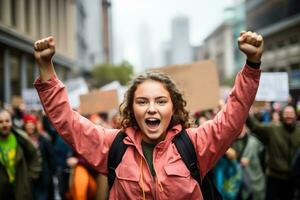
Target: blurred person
43,188
83,184
251,157
275,118
18,113
152,114
20,163
228,175
296,174
62,169
281,143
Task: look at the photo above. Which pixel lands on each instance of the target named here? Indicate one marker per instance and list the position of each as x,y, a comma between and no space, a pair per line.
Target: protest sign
198,81
273,86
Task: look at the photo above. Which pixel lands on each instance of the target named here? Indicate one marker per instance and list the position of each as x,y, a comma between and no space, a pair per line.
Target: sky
149,21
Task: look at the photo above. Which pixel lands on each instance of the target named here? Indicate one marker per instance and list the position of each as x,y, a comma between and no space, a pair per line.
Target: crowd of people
263,162
60,154
36,163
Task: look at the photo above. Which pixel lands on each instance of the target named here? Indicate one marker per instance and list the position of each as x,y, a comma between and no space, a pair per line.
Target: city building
279,23
221,45
181,50
94,34
21,23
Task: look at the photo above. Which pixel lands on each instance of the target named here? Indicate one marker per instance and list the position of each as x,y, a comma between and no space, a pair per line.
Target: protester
250,155
228,174
62,171
82,179
151,115
44,188
281,143
20,163
296,174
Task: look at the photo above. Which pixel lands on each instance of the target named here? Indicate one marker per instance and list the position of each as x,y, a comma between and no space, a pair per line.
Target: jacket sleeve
214,137
89,140
260,130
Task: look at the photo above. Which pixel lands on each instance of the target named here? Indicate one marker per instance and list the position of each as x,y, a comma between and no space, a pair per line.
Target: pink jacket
134,180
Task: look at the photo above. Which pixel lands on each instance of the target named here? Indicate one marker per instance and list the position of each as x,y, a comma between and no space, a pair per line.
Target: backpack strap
187,152
115,155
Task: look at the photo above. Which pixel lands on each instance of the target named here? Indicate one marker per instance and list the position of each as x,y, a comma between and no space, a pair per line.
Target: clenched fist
44,50
251,44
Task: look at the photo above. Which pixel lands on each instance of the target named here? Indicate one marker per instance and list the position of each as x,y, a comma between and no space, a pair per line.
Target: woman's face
153,110
30,128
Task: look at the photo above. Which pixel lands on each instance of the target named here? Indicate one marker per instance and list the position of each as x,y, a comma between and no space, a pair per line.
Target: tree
106,73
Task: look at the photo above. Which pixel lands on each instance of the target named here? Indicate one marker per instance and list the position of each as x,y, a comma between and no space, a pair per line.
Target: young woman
152,114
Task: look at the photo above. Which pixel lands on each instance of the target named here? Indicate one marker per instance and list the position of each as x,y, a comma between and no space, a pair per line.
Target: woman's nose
151,108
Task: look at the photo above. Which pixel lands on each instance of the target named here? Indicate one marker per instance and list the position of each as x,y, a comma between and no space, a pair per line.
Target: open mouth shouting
152,124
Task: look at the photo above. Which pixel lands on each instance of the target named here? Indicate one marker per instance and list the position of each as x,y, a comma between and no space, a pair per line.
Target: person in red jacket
152,114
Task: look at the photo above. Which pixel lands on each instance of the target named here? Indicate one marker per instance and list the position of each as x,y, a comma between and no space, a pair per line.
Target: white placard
115,85
31,99
273,86
75,88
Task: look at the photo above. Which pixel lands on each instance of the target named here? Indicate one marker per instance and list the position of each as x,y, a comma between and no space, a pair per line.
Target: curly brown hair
180,116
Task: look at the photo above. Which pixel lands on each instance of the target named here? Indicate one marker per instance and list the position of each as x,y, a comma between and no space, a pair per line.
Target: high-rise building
145,48
279,23
21,23
221,45
81,35
94,32
181,50
89,34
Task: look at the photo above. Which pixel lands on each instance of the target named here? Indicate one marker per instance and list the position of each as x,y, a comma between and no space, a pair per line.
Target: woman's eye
162,102
141,103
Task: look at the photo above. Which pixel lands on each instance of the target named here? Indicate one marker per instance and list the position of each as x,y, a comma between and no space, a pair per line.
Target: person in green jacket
281,143
20,162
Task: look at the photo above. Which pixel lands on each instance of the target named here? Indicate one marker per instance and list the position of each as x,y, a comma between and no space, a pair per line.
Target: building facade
21,23
279,23
221,45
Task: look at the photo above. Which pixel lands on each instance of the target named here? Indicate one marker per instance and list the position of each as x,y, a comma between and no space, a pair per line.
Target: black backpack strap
115,155
187,152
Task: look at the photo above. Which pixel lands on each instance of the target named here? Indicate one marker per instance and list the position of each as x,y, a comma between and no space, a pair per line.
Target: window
1,10
27,16
1,78
38,17
30,73
280,44
15,75
13,12
294,39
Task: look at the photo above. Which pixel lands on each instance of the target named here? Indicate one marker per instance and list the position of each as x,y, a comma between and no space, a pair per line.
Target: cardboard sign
115,85
31,99
273,86
75,88
16,101
198,81
98,101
